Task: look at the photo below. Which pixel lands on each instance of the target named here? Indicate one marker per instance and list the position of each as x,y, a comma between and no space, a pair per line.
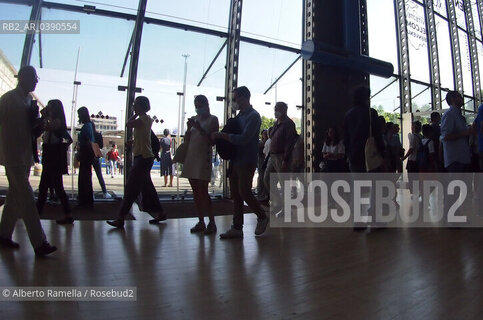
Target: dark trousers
52,180
139,181
86,197
241,178
96,163
457,167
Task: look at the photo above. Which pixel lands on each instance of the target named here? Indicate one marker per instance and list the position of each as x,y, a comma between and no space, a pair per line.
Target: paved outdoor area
116,184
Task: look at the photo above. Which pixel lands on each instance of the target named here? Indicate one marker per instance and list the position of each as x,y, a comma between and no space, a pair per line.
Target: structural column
231,80
453,35
131,86
475,74
328,87
30,36
433,56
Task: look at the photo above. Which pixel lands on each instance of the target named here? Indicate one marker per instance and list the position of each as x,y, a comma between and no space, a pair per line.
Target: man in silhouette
18,116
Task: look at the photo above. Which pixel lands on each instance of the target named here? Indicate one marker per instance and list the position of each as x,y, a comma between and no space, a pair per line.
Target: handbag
180,153
373,159
96,150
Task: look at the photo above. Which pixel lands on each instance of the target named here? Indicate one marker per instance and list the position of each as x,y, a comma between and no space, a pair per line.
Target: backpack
155,145
226,149
98,139
422,155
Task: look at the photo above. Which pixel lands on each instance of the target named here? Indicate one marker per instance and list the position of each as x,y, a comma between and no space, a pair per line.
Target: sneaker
106,195
118,223
158,219
199,227
44,249
232,234
262,225
210,228
66,220
8,243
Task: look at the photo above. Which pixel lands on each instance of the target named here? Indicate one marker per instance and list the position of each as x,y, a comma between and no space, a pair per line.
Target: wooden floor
284,274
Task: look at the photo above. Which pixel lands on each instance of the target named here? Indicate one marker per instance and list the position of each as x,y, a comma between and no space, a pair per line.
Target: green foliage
393,117
266,123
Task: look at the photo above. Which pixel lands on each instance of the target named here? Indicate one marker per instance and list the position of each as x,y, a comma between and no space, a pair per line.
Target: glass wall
277,21
206,14
161,75
100,48
418,42
100,53
15,41
444,53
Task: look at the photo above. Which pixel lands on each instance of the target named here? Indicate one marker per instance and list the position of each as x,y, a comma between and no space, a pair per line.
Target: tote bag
373,158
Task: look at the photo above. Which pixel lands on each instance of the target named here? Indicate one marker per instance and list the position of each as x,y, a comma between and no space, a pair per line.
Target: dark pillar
327,88
131,86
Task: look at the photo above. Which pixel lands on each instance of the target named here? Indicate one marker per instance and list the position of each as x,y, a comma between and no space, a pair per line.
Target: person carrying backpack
426,155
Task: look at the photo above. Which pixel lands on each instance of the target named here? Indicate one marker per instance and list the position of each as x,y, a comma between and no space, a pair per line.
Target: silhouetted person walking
139,179
17,117
197,165
244,164
86,158
54,157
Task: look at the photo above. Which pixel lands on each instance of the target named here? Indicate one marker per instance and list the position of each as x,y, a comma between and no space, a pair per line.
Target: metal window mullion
475,74
308,86
131,86
403,55
364,34
30,36
479,5
453,35
363,28
433,55
231,76
233,47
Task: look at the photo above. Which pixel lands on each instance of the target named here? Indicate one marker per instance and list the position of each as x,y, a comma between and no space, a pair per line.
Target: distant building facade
105,124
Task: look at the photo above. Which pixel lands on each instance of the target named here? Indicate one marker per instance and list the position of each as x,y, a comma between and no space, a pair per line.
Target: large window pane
12,44
418,46
267,20
476,19
385,97
207,14
258,74
161,75
460,13
420,98
103,43
444,53
382,28
440,7
479,48
465,63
